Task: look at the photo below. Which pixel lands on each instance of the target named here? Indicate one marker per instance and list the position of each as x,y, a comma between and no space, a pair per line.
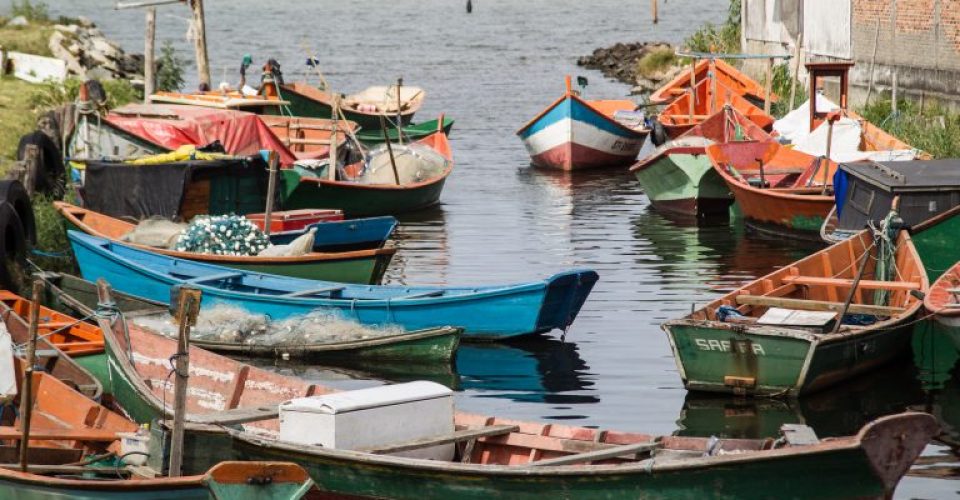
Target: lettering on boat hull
727,346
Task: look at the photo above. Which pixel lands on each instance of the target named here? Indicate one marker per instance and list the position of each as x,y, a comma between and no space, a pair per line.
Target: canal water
503,221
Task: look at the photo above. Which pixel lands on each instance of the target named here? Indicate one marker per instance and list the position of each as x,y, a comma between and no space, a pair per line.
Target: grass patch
33,39
935,130
51,237
16,114
656,61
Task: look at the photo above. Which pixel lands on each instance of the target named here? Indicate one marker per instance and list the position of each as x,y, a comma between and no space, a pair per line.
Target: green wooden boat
366,199
358,266
415,132
504,458
309,101
776,336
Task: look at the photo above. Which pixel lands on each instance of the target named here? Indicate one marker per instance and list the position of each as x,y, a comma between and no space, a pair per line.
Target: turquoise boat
484,312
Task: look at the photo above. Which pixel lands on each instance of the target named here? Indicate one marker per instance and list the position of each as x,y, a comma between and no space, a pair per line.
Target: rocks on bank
645,65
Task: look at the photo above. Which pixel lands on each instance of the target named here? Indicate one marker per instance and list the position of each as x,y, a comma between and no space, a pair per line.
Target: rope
51,254
58,330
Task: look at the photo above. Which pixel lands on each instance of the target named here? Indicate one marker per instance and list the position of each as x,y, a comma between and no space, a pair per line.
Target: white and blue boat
344,235
573,133
484,312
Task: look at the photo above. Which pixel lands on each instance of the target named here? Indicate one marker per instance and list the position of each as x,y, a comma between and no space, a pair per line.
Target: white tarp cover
8,377
795,125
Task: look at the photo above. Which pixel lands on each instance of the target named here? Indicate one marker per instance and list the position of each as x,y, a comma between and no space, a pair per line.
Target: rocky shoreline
622,62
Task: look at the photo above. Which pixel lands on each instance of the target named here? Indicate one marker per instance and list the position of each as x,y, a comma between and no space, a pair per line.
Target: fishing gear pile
222,235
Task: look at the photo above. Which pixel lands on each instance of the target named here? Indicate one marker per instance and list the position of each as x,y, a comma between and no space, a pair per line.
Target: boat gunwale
637,134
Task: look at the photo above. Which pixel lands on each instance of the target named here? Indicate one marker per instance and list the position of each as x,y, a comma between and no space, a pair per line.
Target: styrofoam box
373,418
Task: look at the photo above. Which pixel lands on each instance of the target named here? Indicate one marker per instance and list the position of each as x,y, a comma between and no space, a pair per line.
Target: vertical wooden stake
399,117
26,396
713,86
893,102
188,306
796,70
693,84
200,44
149,79
332,169
386,139
768,86
656,17
272,159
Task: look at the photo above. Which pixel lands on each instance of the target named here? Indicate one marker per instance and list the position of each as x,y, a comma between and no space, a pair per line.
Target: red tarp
172,126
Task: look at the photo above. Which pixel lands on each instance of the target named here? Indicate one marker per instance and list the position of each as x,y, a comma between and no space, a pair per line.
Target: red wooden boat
708,97
295,220
725,74
943,300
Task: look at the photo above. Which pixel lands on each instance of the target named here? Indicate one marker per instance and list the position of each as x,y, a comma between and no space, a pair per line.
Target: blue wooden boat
484,312
344,235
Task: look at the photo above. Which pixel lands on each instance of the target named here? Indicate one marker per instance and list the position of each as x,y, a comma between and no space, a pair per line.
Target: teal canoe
413,132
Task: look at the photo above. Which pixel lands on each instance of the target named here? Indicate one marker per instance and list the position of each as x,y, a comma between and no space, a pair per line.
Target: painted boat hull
684,183
304,105
781,212
484,313
571,135
357,200
344,236
412,132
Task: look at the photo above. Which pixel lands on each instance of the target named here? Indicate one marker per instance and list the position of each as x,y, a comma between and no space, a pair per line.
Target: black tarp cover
140,191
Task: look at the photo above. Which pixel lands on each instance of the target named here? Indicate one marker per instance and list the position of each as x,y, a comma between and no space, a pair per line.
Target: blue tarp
840,185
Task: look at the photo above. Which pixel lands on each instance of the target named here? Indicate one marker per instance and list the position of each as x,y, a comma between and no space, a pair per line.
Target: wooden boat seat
817,305
422,295
14,432
457,437
213,277
626,451
237,416
840,282
314,291
771,171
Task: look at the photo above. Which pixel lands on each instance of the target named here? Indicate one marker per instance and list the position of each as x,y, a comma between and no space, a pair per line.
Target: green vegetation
934,129
16,115
724,38
169,69
51,236
34,12
656,61
52,94
29,39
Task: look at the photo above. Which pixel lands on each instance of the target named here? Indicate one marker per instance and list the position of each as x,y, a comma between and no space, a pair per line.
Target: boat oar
332,169
386,138
272,159
26,396
853,287
399,111
188,306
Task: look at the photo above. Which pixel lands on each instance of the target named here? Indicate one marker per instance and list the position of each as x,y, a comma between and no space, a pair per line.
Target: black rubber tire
15,194
658,135
13,250
51,179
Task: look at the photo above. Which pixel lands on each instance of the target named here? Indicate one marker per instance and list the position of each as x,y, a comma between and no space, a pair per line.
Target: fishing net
415,163
157,233
234,325
222,235
302,245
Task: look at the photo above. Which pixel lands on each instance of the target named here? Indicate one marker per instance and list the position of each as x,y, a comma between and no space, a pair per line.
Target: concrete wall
916,40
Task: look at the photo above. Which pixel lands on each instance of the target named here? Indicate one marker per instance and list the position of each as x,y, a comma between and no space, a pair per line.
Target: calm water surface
503,221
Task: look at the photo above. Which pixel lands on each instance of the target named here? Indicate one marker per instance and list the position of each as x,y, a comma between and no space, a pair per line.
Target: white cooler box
373,418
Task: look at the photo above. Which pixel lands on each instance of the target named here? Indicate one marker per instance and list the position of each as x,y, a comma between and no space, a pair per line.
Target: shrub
32,11
169,69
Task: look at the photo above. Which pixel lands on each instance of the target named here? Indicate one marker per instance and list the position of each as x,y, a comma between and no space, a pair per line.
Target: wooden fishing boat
943,301
358,198
678,177
484,312
308,138
780,191
573,133
344,236
75,452
360,266
366,108
497,457
711,68
412,132
707,98
779,334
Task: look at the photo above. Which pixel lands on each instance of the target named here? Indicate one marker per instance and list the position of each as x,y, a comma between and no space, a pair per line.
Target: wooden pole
853,289
188,306
386,138
693,84
653,6
200,44
272,159
768,86
893,103
332,169
796,70
399,117
26,396
149,79
713,86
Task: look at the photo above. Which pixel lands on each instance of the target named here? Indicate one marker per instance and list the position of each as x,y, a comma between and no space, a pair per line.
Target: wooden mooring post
149,66
188,306
26,397
200,43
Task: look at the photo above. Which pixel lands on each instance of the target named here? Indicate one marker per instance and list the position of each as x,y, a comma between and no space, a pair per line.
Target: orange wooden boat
943,301
725,74
778,190
708,97
79,339
358,266
74,442
308,138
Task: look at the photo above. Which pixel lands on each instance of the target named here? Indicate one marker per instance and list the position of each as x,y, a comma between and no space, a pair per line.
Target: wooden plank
841,282
564,445
314,291
817,305
237,416
11,432
214,277
628,450
456,437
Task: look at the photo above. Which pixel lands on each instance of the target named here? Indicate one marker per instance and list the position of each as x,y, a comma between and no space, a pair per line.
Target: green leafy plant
656,61
31,11
933,129
169,69
52,94
724,38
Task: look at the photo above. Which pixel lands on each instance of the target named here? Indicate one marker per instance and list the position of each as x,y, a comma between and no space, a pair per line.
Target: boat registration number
742,347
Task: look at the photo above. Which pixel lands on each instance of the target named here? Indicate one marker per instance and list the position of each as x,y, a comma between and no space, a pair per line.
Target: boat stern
564,296
894,442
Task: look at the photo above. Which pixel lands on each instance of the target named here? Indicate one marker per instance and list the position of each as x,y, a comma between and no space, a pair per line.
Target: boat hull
485,314
413,132
357,200
781,212
684,183
571,135
344,236
303,105
713,359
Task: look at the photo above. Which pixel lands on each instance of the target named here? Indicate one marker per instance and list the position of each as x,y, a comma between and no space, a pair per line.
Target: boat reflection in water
421,240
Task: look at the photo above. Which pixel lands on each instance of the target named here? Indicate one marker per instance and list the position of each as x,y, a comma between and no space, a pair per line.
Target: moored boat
366,108
491,456
345,235
484,312
359,266
943,301
678,177
813,323
422,174
411,132
711,67
574,133
707,98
